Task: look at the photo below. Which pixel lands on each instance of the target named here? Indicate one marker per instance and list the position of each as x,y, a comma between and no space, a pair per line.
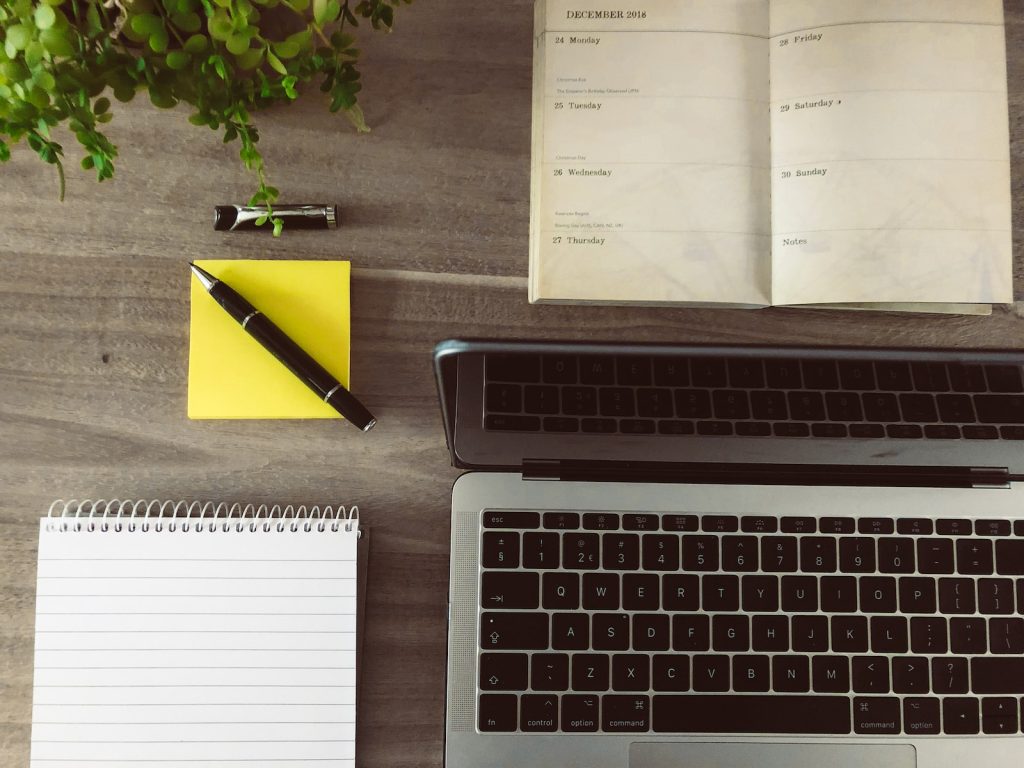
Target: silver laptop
734,556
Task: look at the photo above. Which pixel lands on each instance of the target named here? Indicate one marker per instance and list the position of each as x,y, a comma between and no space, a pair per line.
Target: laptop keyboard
686,623
753,397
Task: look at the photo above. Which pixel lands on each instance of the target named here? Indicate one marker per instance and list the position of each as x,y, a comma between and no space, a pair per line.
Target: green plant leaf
238,43
178,60
250,59
146,24
56,42
220,26
196,44
100,106
19,36
87,162
355,116
158,40
286,49
278,226
275,63
45,17
188,22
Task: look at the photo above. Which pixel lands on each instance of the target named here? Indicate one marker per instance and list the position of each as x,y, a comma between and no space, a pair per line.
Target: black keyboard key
579,401
828,430
960,715
928,635
634,371
997,674
769,405
561,591
691,632
754,524
878,594
751,713
799,594
693,404
660,553
601,591
880,407
817,554
739,553
640,522
889,634
790,674
621,551
610,632
503,672
540,551
974,556
806,406
676,427
904,431
867,430
934,555
857,554
921,716
501,519
918,409
518,368
1000,409
580,551
710,673
654,403
856,374
671,372
1010,558
559,369
980,433
831,674
680,522
782,374
590,672
626,714
966,378
837,525
670,672
956,596
746,373
956,409
538,712
498,712
561,424
714,428
636,427
561,521
505,398
769,633
720,523
708,372
999,715
992,528
779,554
1006,636
539,399
570,631
580,713
893,376
895,555
760,594
720,593
838,594
731,404
930,377
914,526
949,674
601,521
810,634
1012,432
700,553
871,674
597,369
843,406
680,592
509,590
942,432
953,527
631,672
819,374
1018,527
850,634
616,401
1004,378
650,632
799,525
876,715
790,429
917,594
750,674
509,423
500,550
876,525
967,635
640,591
995,596
514,631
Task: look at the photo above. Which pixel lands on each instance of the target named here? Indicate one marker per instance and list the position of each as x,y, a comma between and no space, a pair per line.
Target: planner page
651,152
192,648
890,152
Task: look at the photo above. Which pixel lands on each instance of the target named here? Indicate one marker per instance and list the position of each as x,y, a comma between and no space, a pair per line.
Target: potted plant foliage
225,58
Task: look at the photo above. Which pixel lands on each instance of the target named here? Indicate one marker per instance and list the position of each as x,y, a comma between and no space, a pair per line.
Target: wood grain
93,296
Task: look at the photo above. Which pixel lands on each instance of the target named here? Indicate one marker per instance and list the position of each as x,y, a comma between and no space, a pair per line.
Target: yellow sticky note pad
231,376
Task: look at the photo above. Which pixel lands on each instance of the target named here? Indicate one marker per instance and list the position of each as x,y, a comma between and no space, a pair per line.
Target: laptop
718,556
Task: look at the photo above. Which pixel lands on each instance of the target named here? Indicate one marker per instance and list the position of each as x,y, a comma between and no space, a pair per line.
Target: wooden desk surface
94,308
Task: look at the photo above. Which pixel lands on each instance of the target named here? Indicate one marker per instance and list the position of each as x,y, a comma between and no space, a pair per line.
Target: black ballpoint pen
291,355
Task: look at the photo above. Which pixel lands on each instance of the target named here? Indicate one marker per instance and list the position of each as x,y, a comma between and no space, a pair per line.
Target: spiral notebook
178,635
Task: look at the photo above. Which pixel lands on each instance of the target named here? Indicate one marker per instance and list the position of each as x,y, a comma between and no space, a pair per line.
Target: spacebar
751,714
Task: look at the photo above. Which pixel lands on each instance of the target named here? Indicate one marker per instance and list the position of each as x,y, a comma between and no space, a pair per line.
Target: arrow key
503,671
960,715
999,715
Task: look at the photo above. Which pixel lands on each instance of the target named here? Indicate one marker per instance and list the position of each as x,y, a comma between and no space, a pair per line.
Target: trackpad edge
682,754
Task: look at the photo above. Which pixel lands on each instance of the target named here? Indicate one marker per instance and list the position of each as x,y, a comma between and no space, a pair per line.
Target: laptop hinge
766,474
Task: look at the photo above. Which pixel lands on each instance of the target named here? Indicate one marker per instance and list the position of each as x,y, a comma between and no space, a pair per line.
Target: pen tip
370,425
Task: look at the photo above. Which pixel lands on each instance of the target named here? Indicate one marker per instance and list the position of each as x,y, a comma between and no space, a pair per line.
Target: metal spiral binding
198,516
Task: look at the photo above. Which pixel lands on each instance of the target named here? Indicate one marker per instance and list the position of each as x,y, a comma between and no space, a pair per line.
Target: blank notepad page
195,648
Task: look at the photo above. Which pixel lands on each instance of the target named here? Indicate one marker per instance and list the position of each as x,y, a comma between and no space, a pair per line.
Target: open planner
759,152
173,635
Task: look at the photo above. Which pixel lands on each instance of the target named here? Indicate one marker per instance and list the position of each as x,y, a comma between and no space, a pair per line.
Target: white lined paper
191,648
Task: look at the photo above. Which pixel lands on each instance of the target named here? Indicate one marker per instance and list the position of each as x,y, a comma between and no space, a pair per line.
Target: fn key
497,712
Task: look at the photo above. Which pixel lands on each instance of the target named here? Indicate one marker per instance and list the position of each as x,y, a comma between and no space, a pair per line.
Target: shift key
514,631
996,674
